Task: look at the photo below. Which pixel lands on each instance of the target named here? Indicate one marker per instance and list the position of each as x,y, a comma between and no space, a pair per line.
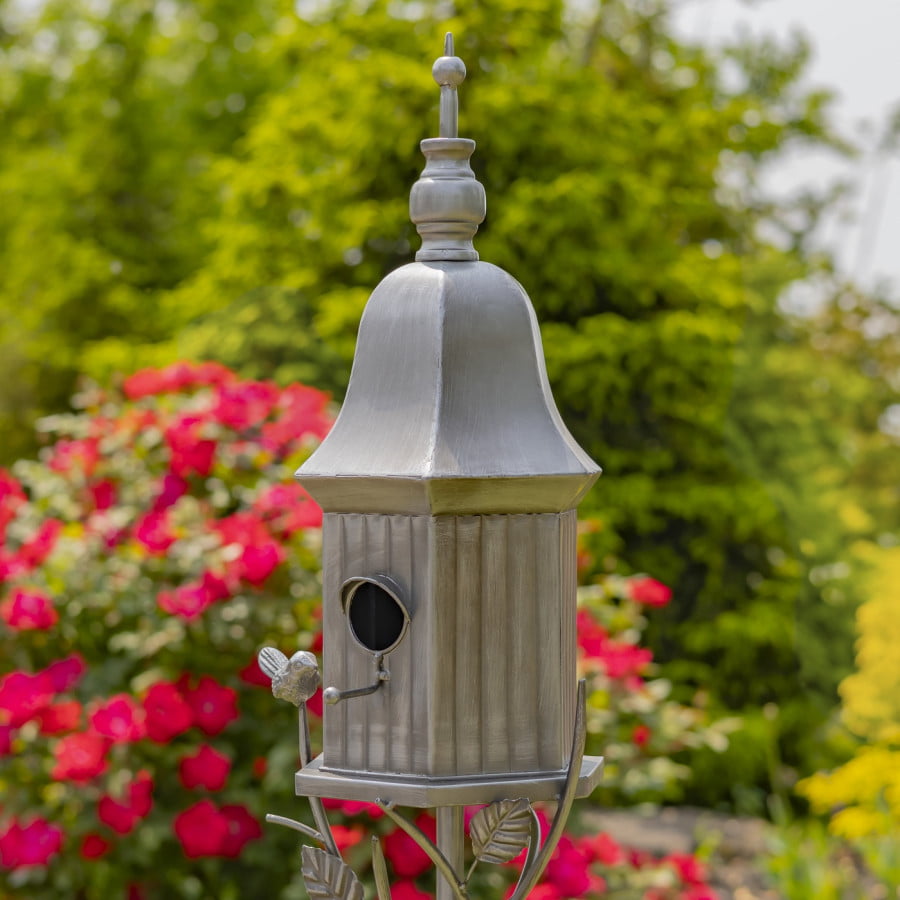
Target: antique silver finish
449,485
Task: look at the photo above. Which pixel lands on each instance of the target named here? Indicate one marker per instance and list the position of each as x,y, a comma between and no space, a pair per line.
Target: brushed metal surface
315,781
483,679
449,410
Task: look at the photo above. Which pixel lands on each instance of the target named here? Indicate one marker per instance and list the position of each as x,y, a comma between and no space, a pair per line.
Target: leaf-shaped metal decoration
500,832
271,661
327,877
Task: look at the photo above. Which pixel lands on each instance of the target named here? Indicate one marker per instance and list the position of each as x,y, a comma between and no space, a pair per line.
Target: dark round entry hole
376,618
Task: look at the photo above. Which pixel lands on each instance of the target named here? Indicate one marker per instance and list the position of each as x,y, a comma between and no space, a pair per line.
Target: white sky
856,54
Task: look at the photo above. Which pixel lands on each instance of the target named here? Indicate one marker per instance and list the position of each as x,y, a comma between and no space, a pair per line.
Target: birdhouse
449,485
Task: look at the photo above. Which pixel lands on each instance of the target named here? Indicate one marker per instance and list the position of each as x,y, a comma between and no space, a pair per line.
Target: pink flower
38,548
189,452
688,867
58,718
35,844
23,696
121,719
286,508
214,706
592,637
6,736
93,846
347,836
244,404
154,532
640,736
242,828
407,890
406,856
103,494
174,378
80,757
190,601
302,414
649,591
253,674
28,610
167,712
207,768
123,816
173,487
603,849
568,869
65,673
201,829
80,454
260,554
698,892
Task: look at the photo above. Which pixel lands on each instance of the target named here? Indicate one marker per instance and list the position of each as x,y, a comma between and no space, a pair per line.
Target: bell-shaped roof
448,410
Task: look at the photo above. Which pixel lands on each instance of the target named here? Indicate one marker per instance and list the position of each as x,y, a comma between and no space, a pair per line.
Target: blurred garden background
196,198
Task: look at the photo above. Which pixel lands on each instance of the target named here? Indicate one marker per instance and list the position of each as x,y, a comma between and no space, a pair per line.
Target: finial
447,204
449,72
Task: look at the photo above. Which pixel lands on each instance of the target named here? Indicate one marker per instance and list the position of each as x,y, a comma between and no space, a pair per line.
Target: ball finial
449,71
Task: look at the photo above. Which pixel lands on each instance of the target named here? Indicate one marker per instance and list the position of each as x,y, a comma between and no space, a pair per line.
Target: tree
621,170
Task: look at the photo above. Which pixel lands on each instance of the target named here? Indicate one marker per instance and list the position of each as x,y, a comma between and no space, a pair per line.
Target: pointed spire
449,72
447,204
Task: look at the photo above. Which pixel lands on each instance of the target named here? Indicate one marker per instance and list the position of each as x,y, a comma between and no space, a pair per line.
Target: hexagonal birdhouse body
449,486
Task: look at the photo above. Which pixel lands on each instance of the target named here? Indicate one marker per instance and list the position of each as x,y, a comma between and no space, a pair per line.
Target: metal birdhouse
449,485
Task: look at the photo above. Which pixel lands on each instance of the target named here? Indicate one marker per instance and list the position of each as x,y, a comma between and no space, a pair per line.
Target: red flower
253,674
604,850
242,828
407,890
698,892
245,403
59,718
189,452
66,673
347,836
123,816
167,712
689,868
201,829
622,660
172,489
103,494
154,533
23,696
6,735
592,637
121,719
259,553
302,413
568,869
93,846
207,768
176,377
32,845
213,705
80,757
287,508
81,454
260,766
649,591
407,857
26,610
640,736
355,808
35,551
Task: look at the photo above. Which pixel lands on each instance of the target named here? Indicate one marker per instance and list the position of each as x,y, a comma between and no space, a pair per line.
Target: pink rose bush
157,544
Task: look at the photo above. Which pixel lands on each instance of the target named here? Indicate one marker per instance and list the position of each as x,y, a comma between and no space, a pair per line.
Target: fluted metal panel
524,645
568,525
442,686
468,600
500,615
547,589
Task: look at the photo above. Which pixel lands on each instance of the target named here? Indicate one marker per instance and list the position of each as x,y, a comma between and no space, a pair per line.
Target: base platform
315,781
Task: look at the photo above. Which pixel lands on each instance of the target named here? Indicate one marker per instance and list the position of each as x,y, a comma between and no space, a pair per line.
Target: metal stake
451,842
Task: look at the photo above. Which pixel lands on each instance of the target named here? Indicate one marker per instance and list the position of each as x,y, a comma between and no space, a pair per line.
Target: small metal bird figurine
295,679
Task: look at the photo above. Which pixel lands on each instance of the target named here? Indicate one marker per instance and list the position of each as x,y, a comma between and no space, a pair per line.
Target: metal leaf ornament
295,679
327,877
500,832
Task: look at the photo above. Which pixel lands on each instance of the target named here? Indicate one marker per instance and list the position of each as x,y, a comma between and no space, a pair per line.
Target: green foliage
229,181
